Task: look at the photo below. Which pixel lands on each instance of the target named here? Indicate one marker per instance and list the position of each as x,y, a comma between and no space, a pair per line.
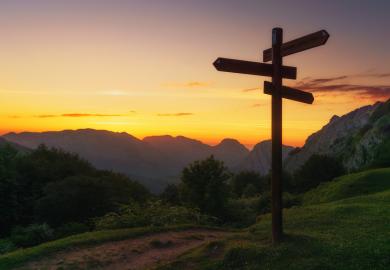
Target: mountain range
157,160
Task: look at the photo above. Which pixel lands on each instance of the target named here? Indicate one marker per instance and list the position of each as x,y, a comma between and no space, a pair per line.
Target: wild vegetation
343,224
48,194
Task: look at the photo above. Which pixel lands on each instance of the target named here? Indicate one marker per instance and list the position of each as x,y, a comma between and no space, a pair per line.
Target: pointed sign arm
252,68
290,93
300,44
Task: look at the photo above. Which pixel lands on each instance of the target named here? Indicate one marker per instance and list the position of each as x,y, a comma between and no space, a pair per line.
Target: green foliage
242,212
317,169
382,110
350,185
70,229
204,186
6,245
241,180
78,198
45,184
154,213
350,232
171,194
382,155
249,191
31,235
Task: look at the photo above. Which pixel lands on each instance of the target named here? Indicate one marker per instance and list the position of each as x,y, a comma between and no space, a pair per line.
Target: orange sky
146,69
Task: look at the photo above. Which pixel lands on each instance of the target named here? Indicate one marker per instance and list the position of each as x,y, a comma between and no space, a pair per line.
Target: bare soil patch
136,253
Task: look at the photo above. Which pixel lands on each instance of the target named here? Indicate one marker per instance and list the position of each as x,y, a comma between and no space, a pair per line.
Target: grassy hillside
344,224
347,231
350,185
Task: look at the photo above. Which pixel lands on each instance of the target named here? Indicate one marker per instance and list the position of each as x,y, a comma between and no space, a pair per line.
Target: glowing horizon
146,69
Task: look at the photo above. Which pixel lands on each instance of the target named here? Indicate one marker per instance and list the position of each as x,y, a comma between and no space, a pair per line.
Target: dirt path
137,253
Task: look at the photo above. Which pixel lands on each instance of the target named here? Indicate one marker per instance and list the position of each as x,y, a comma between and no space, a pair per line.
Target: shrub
241,181
152,214
249,191
242,212
171,194
31,235
204,186
317,169
70,229
6,245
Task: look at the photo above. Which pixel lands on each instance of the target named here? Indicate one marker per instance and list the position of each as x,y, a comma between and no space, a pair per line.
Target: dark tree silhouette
204,185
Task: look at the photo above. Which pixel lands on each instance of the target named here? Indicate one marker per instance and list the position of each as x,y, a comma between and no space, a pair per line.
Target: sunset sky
145,66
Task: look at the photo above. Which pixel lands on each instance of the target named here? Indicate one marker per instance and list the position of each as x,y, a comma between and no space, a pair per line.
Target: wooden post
277,225
277,71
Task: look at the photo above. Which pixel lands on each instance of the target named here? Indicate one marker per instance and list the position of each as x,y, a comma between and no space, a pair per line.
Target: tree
241,180
250,191
317,169
28,178
204,186
74,199
171,194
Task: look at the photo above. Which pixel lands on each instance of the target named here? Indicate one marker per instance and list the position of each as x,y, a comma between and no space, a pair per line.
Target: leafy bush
249,191
317,169
242,212
241,181
204,186
70,229
171,194
55,187
6,245
152,214
31,235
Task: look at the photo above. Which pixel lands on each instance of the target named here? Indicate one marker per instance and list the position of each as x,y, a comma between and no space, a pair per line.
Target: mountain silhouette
153,161
156,161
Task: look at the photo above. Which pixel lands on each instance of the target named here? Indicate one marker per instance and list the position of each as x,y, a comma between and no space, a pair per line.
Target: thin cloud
46,116
256,105
197,84
14,116
190,84
250,89
89,115
361,90
175,114
76,115
375,75
327,80
335,85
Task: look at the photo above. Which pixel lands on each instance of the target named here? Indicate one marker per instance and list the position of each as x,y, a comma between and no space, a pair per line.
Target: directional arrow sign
252,68
290,93
300,44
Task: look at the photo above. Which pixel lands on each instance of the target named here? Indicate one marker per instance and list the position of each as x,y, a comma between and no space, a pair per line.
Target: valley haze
156,161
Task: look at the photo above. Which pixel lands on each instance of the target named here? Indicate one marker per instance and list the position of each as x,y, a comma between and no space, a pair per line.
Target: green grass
344,230
344,224
21,256
351,185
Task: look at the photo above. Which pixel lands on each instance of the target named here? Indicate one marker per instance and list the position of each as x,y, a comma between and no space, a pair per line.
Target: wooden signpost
277,71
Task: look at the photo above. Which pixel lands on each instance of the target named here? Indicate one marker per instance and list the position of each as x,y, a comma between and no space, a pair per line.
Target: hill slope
351,233
357,138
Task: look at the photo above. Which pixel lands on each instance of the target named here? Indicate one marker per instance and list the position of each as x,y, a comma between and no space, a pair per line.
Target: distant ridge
154,161
356,138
